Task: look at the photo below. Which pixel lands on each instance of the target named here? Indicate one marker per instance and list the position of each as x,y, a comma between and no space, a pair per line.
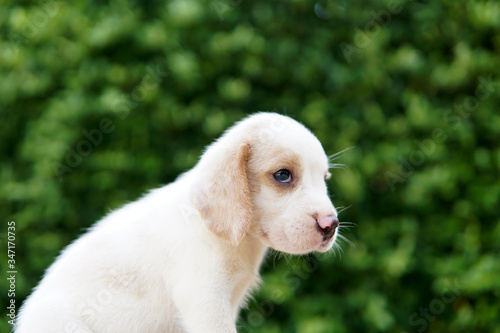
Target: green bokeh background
413,86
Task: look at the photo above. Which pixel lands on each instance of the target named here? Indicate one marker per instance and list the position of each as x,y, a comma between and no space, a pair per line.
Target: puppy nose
327,222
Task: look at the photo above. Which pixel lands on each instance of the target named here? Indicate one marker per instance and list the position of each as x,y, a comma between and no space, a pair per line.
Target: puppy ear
224,202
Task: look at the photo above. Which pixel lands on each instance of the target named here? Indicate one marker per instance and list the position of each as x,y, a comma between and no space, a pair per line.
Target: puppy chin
326,245
298,249
287,246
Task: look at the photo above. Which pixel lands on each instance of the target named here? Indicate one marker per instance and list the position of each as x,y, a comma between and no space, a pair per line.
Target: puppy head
266,176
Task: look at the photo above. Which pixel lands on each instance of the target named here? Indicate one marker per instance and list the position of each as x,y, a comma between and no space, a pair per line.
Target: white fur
185,257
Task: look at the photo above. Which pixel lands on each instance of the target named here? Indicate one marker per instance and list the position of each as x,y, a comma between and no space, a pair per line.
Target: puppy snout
327,224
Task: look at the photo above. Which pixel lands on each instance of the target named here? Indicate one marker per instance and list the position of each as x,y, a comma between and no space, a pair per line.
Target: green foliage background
404,82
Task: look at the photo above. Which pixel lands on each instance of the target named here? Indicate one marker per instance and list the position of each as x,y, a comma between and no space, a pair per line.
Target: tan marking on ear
225,202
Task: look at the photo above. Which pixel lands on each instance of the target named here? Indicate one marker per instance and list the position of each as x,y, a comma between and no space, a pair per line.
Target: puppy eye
283,176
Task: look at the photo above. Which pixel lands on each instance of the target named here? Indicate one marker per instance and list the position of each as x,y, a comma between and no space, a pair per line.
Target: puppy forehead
272,133
300,140
293,147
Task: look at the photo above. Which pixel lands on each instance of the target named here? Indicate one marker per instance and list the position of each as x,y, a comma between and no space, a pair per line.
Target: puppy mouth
329,234
327,238
325,245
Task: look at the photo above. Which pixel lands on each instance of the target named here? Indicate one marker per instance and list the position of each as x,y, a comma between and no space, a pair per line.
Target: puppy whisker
342,227
341,209
342,237
337,250
336,166
339,154
275,254
336,156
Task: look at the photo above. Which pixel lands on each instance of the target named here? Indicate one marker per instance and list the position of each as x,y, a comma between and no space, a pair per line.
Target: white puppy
186,256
